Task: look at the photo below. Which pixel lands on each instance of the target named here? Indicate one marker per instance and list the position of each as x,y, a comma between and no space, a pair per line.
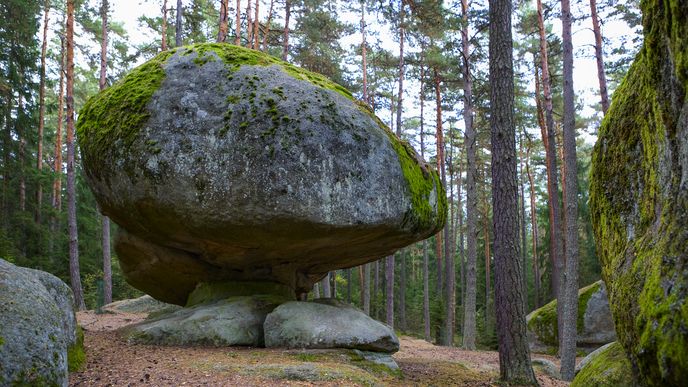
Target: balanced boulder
639,200
224,164
39,341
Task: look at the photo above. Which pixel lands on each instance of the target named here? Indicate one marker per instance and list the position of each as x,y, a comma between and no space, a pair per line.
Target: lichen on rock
608,367
639,199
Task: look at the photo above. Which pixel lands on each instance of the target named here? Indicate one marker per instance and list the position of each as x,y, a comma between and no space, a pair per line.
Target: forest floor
111,361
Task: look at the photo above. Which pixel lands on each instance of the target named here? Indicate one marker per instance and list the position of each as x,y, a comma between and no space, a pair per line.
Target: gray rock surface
547,367
327,323
380,358
233,321
143,304
37,327
247,168
598,324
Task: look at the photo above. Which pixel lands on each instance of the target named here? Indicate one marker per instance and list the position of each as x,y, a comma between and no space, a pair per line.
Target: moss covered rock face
606,367
225,164
639,199
594,327
39,339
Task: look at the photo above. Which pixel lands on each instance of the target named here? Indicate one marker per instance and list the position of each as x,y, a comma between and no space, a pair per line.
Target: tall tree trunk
348,285
107,265
364,53
469,331
178,25
514,358
400,96
556,237
256,27
223,27
570,281
21,154
402,292
458,234
163,37
488,259
41,114
325,284
237,27
57,182
449,272
316,290
267,26
534,226
285,39
389,293
74,271
426,269
522,220
376,289
439,135
599,56
249,25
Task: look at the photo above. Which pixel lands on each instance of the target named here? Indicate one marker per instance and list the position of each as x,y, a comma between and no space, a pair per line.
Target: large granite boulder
225,164
605,367
327,323
594,325
639,199
39,338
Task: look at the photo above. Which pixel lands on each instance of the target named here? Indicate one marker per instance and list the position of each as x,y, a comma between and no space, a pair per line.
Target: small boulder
232,321
606,367
595,324
327,323
39,341
143,304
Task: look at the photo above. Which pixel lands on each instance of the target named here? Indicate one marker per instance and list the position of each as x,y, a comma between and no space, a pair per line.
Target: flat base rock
231,321
327,323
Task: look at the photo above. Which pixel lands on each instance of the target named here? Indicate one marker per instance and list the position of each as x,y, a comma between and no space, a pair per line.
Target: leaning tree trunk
74,272
41,114
570,281
107,265
514,358
599,56
556,237
469,326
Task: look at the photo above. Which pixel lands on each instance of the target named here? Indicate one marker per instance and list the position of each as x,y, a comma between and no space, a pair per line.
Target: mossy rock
639,199
221,163
607,368
594,322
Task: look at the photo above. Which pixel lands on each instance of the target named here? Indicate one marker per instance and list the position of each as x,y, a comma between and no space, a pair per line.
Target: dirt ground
111,361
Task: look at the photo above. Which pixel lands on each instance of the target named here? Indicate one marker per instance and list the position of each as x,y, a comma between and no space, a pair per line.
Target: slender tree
237,27
556,238
389,290
267,26
256,28
41,112
514,358
439,140
469,326
57,181
426,263
249,25
224,16
107,266
534,228
178,26
163,38
569,290
285,38
366,288
599,56
400,98
74,271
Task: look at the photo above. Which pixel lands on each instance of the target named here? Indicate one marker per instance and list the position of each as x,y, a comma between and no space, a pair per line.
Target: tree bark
514,358
348,285
325,283
163,38
21,153
376,289
556,237
567,341
249,25
237,27
364,54
469,327
223,27
267,26
57,182
488,256
402,293
178,26
74,271
599,56
439,135
389,293
287,14
41,113
107,265
426,269
256,27
534,226
522,220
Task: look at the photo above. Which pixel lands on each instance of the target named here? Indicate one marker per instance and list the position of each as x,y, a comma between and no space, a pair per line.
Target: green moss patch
75,353
610,368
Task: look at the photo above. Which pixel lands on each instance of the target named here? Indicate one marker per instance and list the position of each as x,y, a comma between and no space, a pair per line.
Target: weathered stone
327,323
547,367
639,199
595,325
379,358
225,164
143,304
38,332
231,321
592,355
606,367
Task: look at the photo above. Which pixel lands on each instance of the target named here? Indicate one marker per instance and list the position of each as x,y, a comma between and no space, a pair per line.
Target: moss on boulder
607,368
639,199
